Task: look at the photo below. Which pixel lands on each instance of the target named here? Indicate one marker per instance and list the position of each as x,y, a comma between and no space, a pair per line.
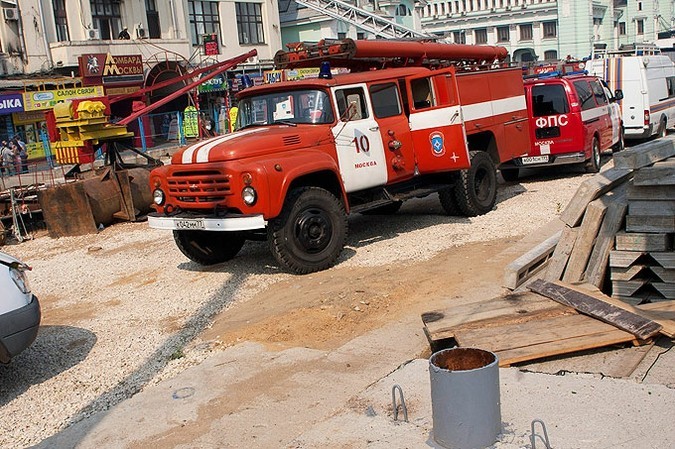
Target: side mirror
618,94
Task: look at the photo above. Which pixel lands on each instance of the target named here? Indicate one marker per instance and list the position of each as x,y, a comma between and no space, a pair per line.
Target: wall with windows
53,33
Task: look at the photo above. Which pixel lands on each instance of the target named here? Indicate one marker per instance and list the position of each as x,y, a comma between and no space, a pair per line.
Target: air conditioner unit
10,13
141,33
93,33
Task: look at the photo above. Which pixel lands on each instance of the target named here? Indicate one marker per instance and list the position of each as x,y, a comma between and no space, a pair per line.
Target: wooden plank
645,154
655,176
655,207
650,223
665,259
627,274
650,192
622,319
627,288
597,263
642,241
665,288
530,263
561,254
585,240
591,189
662,311
441,324
568,346
647,310
534,332
624,259
664,274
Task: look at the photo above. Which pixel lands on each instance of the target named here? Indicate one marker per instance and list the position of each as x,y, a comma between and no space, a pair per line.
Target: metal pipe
44,36
227,65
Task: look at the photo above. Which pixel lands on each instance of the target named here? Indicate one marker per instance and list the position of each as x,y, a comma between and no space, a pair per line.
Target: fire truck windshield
307,106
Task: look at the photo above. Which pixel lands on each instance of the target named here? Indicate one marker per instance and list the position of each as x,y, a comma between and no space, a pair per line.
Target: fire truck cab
573,119
307,153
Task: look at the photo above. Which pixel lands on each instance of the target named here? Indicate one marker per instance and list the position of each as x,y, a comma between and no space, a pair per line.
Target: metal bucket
465,398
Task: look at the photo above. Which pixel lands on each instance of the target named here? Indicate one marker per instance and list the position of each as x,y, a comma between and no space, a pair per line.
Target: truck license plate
534,160
188,223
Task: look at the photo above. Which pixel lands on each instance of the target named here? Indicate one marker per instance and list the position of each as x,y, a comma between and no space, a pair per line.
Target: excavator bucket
80,207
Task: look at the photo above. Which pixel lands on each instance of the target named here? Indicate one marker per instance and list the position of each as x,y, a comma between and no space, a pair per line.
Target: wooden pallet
520,327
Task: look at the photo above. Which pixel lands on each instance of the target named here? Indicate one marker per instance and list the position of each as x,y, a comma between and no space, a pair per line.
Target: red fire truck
410,119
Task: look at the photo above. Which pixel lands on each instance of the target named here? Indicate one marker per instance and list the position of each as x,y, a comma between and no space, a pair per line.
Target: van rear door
554,127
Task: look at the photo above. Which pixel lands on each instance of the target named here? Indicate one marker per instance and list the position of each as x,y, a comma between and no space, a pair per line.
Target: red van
573,119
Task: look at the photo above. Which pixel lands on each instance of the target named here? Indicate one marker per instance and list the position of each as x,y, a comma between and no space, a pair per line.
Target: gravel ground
123,309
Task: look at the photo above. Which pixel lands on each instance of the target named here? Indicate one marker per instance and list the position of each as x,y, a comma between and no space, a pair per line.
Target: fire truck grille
201,187
291,140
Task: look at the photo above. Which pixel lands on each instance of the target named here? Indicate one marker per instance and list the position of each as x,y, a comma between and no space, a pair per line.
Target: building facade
532,30
54,50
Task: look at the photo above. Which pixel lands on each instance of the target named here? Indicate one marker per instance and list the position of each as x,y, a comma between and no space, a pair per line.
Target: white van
648,85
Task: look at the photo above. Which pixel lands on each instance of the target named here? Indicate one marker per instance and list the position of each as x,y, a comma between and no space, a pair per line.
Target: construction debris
618,227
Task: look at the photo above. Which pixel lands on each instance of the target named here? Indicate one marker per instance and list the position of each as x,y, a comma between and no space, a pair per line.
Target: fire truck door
436,122
358,141
394,129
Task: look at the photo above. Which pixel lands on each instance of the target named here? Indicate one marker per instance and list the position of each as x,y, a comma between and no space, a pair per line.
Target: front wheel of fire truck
476,191
311,231
208,247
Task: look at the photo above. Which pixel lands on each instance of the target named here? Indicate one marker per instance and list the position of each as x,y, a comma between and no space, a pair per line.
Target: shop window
204,19
250,23
61,20
105,15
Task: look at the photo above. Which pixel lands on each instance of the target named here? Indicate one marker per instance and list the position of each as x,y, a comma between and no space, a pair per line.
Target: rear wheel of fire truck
476,190
621,144
449,201
209,248
311,231
510,174
593,164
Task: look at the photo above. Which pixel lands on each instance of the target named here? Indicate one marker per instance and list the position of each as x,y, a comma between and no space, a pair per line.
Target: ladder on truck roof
638,49
360,18
359,55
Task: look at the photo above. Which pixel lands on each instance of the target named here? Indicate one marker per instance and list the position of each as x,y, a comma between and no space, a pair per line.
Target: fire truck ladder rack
360,18
369,54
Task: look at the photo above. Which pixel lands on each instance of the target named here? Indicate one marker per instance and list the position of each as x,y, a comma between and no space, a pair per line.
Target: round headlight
249,196
158,197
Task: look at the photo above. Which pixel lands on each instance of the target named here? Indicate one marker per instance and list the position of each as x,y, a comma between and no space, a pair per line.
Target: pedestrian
16,158
7,157
124,34
23,154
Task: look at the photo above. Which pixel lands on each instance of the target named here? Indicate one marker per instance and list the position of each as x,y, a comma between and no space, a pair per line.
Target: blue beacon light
324,71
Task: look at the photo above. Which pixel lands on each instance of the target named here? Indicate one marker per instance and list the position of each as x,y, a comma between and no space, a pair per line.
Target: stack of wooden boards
574,265
640,191
551,320
642,266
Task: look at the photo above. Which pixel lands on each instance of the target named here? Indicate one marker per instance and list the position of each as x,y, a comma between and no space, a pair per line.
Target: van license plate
188,223
534,160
